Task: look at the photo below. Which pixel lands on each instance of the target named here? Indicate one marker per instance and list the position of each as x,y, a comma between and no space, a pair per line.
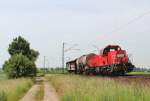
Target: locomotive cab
115,55
117,59
111,48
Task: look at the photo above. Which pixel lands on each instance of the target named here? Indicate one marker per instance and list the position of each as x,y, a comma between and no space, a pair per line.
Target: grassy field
86,88
13,90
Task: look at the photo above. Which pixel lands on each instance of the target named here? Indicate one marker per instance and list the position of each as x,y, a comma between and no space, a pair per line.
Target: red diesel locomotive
111,61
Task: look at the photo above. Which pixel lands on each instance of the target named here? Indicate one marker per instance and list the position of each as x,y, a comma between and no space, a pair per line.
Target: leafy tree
33,55
19,66
20,45
22,60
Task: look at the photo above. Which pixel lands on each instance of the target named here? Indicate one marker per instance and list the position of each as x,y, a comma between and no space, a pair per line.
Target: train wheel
81,69
122,73
86,72
75,71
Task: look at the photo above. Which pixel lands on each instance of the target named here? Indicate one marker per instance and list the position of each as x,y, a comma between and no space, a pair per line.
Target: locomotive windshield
110,49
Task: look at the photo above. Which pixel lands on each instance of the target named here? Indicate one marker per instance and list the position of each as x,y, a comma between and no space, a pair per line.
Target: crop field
91,88
13,90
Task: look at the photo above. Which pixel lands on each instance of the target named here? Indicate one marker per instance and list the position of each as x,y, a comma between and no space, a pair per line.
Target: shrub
19,66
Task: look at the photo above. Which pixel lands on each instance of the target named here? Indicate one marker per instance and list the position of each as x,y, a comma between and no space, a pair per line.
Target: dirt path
30,96
49,92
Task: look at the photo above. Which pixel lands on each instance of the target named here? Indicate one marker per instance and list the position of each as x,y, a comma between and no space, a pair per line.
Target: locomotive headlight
120,55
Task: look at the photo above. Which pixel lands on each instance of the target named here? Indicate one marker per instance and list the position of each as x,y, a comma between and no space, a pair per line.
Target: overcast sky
48,23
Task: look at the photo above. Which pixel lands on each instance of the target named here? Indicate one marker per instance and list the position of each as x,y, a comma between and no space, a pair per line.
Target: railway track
132,79
128,79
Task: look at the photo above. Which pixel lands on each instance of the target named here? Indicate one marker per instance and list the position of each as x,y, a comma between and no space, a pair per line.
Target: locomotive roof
112,46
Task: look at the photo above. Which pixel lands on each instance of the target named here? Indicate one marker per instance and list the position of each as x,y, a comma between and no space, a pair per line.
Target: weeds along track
137,76
71,87
127,79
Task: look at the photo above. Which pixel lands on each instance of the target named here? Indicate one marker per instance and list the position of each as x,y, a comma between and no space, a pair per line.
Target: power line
71,48
131,21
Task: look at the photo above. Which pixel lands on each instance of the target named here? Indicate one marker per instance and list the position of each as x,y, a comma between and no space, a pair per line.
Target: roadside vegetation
40,93
87,88
18,72
54,70
14,89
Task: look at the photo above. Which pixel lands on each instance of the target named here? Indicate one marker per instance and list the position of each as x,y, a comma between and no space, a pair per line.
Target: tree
22,60
19,66
20,45
33,55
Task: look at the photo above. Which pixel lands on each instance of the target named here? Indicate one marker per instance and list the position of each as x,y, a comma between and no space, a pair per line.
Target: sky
46,24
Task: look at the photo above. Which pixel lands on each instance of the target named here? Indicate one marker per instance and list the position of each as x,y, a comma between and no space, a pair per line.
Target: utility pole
44,64
63,57
63,54
48,66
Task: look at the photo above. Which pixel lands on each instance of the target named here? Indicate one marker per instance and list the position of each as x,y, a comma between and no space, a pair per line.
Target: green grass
13,90
3,76
40,75
86,88
139,73
40,94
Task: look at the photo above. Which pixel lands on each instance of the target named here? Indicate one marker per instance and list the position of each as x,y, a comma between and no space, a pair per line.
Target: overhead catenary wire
131,21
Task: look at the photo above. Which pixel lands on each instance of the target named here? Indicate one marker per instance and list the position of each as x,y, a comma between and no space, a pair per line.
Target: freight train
112,60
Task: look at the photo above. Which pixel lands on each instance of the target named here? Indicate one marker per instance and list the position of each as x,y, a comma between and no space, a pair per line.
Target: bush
19,66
